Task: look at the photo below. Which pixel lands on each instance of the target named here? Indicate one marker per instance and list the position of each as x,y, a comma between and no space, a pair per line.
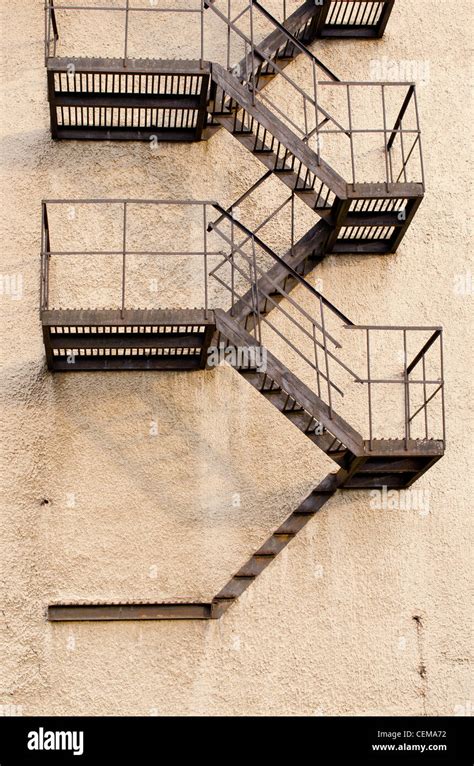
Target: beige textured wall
95,508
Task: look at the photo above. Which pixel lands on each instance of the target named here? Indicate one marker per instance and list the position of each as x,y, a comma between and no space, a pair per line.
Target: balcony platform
394,463
141,339
361,19
98,99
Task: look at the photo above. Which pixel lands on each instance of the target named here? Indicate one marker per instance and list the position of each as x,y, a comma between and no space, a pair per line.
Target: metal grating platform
93,340
103,99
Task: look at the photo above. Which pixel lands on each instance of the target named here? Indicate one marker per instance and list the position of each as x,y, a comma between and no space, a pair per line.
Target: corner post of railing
443,406
369,388
46,26
232,263
252,51
326,355
201,61
315,91
229,11
206,297
349,111
407,389
124,257
384,17
292,221
425,403
45,250
385,144
125,48
422,164
402,150
55,26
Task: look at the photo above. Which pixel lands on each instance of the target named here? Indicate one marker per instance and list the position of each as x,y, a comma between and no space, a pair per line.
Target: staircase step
255,565
274,544
235,587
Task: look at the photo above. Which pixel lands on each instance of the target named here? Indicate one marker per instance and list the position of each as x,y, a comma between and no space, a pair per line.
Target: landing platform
96,99
141,339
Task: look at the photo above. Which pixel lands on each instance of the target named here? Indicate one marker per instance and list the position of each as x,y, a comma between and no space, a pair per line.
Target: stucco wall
367,611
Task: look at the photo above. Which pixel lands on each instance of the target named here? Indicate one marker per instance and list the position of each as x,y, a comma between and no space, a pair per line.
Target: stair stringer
333,424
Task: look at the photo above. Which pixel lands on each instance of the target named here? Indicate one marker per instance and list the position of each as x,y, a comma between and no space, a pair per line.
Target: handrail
124,204
283,263
295,40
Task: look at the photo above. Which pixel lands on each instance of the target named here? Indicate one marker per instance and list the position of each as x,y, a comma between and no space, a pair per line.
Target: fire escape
323,152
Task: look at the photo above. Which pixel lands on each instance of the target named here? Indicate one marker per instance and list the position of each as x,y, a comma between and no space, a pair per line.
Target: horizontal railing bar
128,252
128,201
401,381
418,328
121,8
372,130
360,83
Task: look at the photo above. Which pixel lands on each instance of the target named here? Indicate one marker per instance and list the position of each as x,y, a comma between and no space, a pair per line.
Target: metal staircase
319,367
170,100
259,285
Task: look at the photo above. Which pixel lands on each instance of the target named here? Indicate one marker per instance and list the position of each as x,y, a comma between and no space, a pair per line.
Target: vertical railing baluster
252,52
422,165
125,51
228,34
47,11
315,92
385,149
407,390
369,389
316,361
43,251
255,288
402,148
206,297
351,136
326,356
425,405
232,262
443,410
124,256
292,222
201,63
306,126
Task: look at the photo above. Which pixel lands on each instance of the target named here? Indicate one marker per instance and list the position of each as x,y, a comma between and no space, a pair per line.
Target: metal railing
310,119
313,333
302,110
432,388
54,7
125,252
